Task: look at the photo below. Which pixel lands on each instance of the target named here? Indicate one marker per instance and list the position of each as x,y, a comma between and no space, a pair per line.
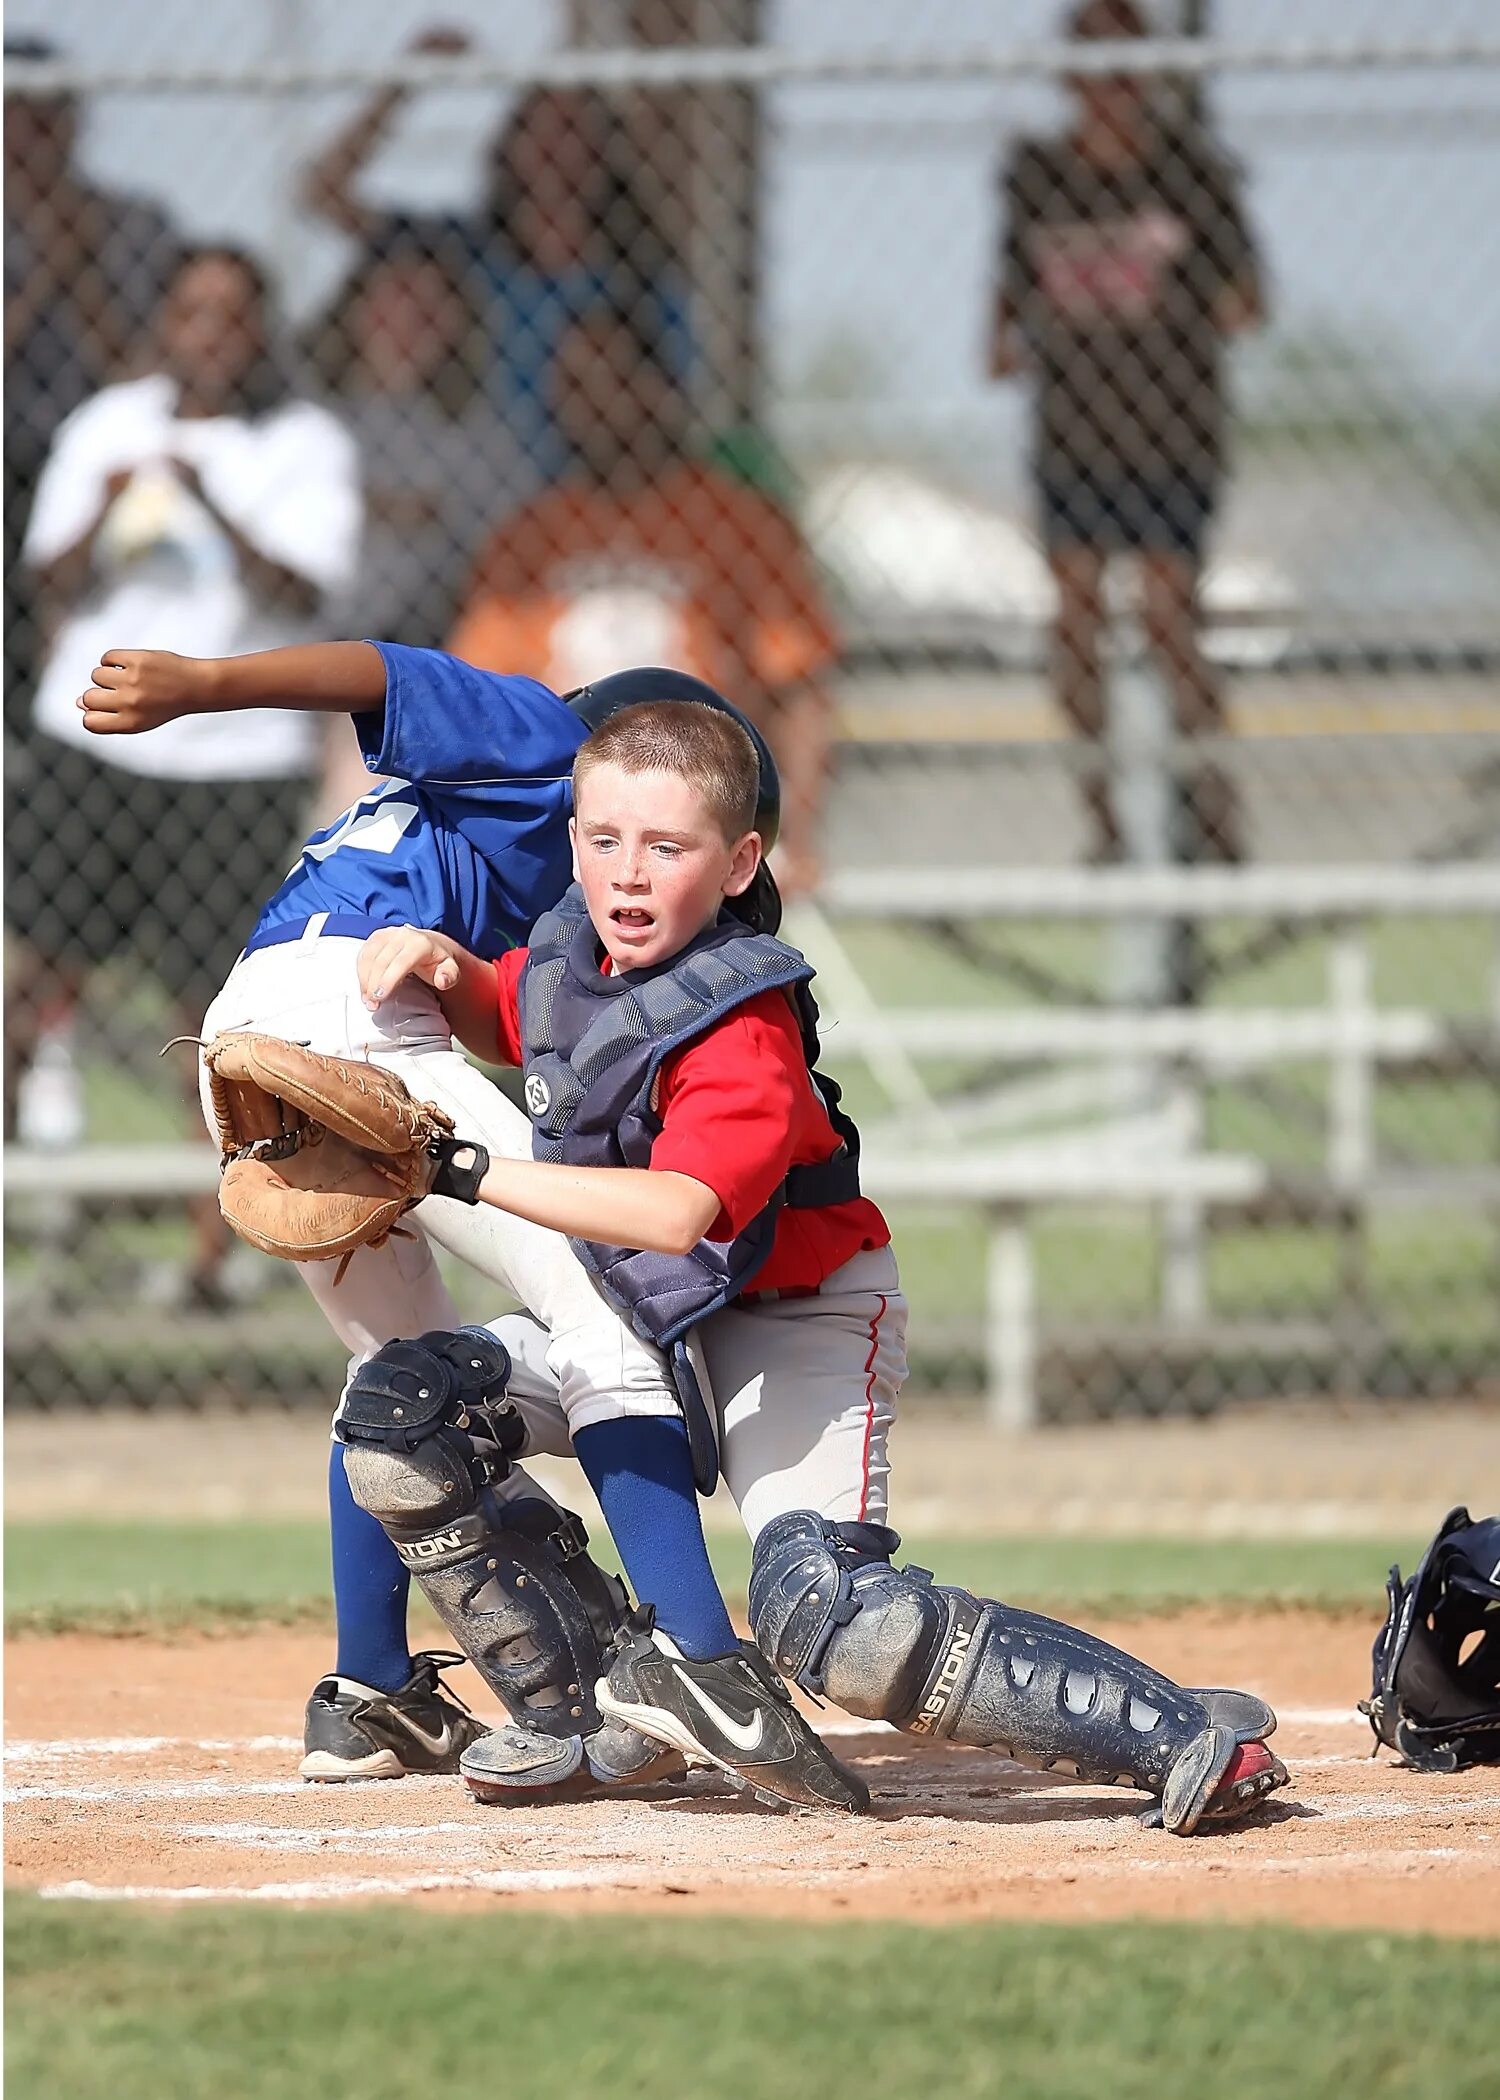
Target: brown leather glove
323,1154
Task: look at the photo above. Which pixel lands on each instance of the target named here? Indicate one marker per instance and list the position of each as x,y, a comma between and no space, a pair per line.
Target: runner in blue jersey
466,835
467,830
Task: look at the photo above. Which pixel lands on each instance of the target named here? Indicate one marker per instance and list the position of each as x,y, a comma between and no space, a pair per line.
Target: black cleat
733,1713
355,1732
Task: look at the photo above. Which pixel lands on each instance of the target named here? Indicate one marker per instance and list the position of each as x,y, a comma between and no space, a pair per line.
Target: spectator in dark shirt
401,351
1127,264
563,222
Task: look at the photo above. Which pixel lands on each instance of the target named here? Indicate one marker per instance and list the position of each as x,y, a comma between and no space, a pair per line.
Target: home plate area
165,1771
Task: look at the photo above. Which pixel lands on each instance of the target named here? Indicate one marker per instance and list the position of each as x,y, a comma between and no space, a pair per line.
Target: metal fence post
1011,1336
1351,1144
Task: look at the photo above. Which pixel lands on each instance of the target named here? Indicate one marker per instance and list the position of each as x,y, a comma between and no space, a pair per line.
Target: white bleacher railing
1005,1183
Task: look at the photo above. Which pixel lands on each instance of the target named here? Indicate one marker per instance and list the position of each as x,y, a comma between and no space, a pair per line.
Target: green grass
142,1576
276,2006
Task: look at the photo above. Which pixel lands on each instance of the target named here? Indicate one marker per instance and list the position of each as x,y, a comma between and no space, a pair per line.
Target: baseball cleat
732,1713
353,1731
512,1767
1215,1781
1252,1773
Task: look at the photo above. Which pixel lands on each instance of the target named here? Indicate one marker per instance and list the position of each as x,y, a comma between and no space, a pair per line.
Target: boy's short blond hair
708,750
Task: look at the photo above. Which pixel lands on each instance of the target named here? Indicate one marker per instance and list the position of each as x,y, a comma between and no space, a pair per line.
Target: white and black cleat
353,1731
732,1713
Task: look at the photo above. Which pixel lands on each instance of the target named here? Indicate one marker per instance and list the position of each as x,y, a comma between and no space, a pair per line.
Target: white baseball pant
804,1391
308,991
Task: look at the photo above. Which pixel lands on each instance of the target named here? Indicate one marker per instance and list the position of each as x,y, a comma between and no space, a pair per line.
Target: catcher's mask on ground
1435,1694
760,906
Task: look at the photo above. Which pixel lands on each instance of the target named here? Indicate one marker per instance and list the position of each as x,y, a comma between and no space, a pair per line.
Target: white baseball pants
804,1391
596,1368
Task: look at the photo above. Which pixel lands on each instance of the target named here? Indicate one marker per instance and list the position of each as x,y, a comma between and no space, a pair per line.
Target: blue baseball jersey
468,832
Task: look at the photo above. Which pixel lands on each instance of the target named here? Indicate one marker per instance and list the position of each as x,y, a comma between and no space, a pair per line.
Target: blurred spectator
1127,264
401,351
202,508
642,556
563,221
84,270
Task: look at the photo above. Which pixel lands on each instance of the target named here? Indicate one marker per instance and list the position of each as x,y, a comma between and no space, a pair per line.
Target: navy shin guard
831,1611
429,1437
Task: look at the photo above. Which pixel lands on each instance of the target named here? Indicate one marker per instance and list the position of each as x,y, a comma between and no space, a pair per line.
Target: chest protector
593,1047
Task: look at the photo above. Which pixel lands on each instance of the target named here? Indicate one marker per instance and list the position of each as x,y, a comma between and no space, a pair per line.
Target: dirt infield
1284,1469
165,1771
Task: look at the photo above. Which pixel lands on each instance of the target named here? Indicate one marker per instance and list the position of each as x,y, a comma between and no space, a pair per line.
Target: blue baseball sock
370,1586
640,1469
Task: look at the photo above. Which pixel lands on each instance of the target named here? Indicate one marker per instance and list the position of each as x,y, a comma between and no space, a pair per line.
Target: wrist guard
460,1167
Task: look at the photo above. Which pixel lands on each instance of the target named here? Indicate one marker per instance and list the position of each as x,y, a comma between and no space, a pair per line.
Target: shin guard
830,1610
430,1439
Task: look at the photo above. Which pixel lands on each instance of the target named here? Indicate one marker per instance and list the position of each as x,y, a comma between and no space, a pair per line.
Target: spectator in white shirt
203,508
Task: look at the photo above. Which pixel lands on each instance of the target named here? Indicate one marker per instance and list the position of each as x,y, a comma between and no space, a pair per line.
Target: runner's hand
395,953
139,689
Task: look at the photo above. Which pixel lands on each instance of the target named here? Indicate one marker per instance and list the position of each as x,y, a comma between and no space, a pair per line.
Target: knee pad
430,1438
829,1610
427,1424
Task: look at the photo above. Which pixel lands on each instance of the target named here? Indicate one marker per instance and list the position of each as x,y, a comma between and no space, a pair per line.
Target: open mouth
630,918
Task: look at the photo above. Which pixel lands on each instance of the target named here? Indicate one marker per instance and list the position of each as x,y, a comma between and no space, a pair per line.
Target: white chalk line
155,1790
346,1887
275,1837
192,1789
36,1750
1393,1811
524,1881
33,1750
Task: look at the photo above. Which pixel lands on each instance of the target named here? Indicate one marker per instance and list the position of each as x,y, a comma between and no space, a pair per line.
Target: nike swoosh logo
439,1745
745,1735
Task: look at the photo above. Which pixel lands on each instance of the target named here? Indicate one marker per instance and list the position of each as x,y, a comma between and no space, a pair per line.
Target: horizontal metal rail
144,1173
119,1173
1163,893
1218,1036
168,1173
708,66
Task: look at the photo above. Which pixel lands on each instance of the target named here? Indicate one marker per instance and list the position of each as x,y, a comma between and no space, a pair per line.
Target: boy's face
654,864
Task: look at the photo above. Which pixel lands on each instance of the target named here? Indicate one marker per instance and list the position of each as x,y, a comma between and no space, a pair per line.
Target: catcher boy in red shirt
708,1179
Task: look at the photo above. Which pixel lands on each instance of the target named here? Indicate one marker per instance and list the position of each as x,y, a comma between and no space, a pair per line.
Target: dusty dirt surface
165,1771
1283,1469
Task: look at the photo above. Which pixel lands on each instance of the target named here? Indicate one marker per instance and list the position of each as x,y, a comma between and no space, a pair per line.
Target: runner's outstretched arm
139,689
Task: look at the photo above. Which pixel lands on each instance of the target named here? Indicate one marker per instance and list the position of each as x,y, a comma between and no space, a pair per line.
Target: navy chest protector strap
593,1048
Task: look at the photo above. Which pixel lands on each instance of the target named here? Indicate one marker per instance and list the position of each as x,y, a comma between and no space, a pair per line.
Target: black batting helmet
760,907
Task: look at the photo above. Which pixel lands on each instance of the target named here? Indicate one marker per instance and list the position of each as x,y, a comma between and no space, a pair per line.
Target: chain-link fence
1095,428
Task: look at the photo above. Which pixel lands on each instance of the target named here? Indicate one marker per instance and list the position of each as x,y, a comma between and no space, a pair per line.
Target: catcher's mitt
323,1154
1436,1692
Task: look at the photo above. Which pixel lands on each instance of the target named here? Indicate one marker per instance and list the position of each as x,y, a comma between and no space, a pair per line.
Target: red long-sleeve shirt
738,1109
